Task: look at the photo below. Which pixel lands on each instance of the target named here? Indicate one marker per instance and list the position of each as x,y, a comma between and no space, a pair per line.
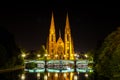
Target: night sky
30,23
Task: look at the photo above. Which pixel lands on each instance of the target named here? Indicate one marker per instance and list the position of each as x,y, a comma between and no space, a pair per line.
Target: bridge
57,66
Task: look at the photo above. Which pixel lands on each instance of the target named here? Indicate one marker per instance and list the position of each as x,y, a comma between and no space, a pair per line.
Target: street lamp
23,55
86,55
38,55
45,56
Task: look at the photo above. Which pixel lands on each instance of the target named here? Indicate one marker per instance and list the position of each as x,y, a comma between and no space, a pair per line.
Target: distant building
59,49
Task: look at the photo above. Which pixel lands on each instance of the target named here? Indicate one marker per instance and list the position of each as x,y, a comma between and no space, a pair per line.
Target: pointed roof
67,25
52,25
59,33
60,40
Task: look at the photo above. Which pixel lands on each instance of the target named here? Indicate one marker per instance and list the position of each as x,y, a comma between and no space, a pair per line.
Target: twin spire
52,26
59,47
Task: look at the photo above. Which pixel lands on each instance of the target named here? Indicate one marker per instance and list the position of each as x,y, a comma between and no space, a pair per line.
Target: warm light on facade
64,55
56,55
60,47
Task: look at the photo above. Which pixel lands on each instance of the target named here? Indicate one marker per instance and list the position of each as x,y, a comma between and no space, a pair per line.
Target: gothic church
60,49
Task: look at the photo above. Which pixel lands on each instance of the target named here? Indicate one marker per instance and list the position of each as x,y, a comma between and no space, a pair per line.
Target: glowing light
56,74
23,55
45,55
38,75
31,71
64,75
38,55
56,55
23,77
45,77
75,55
86,55
71,74
86,75
75,77
64,55
68,68
48,74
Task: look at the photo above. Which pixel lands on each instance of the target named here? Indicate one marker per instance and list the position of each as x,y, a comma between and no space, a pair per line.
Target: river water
23,75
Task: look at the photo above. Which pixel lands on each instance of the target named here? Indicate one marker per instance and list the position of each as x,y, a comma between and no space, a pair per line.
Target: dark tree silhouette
107,65
9,52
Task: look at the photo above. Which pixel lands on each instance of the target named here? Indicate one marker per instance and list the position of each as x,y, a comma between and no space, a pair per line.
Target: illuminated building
59,49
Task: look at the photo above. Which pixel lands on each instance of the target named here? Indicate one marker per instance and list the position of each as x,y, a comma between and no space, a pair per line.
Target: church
60,48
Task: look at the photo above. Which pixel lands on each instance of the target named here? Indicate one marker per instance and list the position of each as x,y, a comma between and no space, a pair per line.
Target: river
64,70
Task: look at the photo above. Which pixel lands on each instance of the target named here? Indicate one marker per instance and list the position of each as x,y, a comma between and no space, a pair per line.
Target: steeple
52,26
68,44
67,25
52,38
60,49
59,33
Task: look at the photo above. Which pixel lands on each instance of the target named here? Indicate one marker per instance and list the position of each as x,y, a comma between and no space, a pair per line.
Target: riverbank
11,69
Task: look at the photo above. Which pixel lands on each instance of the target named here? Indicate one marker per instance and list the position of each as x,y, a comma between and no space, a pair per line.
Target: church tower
52,39
60,49
68,41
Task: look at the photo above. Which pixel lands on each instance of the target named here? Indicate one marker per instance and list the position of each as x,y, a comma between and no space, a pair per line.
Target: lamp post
23,56
45,56
38,55
45,61
86,56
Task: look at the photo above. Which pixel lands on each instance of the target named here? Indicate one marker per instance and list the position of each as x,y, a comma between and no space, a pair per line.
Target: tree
107,63
9,51
42,51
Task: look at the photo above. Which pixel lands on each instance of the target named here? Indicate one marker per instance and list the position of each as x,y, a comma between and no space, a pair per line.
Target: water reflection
18,75
53,76
15,75
23,77
54,71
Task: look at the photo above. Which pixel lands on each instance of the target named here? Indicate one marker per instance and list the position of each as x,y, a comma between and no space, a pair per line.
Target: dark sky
30,23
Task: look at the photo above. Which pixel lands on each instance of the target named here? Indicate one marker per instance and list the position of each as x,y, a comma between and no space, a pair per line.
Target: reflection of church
60,49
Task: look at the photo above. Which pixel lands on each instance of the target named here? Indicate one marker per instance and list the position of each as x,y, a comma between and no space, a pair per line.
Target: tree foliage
107,63
42,51
9,52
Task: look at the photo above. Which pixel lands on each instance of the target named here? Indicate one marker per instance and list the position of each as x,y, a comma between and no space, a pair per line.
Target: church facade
59,48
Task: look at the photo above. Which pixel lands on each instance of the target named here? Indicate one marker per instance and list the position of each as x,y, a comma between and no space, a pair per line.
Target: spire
67,25
52,26
59,33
